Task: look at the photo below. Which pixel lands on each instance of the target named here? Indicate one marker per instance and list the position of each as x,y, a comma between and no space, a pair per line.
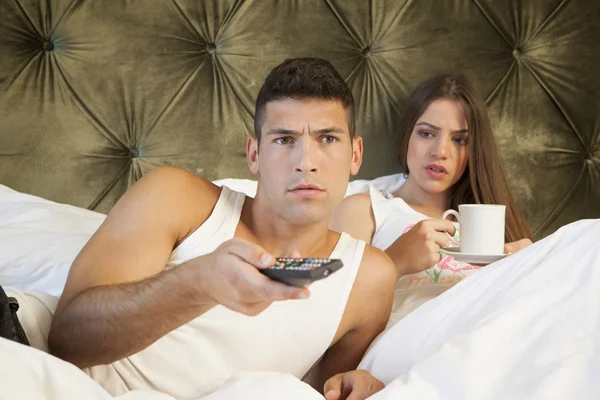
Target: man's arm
366,315
107,323
118,300
109,304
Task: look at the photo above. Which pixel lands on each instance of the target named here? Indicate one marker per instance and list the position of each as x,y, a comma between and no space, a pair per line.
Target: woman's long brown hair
484,180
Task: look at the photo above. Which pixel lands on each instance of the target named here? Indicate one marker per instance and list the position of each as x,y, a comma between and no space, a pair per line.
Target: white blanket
27,373
525,327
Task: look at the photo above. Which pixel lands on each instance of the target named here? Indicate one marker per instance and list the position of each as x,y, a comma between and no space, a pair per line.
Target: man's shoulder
174,178
176,185
178,196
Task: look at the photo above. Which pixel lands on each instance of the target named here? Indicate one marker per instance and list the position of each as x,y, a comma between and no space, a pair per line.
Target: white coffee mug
481,228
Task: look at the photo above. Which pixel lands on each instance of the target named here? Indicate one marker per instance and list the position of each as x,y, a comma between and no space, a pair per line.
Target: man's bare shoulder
175,186
179,182
171,197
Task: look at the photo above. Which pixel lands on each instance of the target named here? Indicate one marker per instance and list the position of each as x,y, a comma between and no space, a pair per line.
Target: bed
94,94
527,326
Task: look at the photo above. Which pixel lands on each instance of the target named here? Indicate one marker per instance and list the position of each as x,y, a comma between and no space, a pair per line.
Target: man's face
304,158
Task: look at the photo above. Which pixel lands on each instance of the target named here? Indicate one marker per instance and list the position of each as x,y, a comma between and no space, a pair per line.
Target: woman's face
437,148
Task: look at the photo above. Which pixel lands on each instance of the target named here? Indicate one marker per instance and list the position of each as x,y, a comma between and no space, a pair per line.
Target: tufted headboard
94,93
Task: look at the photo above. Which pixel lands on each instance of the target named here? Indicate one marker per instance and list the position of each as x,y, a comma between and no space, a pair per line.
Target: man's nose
306,157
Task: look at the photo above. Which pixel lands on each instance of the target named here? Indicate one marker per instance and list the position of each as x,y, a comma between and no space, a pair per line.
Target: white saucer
470,257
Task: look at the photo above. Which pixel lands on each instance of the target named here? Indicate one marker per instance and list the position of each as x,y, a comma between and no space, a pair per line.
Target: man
168,294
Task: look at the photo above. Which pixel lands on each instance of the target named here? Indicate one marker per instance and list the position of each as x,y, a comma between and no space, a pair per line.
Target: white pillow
388,183
39,239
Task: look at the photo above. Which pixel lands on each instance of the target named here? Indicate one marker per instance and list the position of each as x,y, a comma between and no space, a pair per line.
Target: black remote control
302,271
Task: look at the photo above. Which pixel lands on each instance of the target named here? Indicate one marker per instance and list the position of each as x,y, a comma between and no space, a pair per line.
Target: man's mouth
307,188
307,191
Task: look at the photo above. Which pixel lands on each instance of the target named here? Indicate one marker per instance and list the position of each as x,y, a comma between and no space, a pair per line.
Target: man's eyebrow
326,131
323,131
281,131
437,128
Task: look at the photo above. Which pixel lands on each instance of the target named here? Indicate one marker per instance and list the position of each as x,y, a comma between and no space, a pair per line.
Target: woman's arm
355,217
419,248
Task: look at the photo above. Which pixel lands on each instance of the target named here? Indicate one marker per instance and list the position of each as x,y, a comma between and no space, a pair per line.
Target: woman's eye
425,133
461,140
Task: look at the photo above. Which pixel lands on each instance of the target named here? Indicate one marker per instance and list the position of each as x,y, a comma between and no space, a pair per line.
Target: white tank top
393,218
198,357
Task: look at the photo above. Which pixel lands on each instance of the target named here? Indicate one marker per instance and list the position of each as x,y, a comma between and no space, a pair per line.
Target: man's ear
252,155
357,152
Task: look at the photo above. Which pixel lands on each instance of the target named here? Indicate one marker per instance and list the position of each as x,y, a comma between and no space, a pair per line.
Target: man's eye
283,140
329,139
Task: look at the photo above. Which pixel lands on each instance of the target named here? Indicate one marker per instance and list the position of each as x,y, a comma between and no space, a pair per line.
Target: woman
449,155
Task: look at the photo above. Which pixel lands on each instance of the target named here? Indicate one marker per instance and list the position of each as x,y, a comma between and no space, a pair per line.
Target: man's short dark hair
304,78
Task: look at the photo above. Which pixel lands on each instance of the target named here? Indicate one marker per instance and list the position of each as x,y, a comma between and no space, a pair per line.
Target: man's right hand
419,248
229,276
353,385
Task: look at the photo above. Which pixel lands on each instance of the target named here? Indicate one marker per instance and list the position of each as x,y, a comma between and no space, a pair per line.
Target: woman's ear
252,155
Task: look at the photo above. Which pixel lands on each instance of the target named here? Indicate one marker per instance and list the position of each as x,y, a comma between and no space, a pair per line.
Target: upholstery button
366,51
211,48
48,45
134,153
517,53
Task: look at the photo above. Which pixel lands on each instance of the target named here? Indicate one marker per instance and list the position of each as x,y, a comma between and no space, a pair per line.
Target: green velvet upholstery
94,93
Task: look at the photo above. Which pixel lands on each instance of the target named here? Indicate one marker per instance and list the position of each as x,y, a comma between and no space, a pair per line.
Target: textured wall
95,93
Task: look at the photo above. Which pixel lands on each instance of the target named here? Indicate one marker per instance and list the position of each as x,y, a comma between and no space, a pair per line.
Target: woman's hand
513,247
419,248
